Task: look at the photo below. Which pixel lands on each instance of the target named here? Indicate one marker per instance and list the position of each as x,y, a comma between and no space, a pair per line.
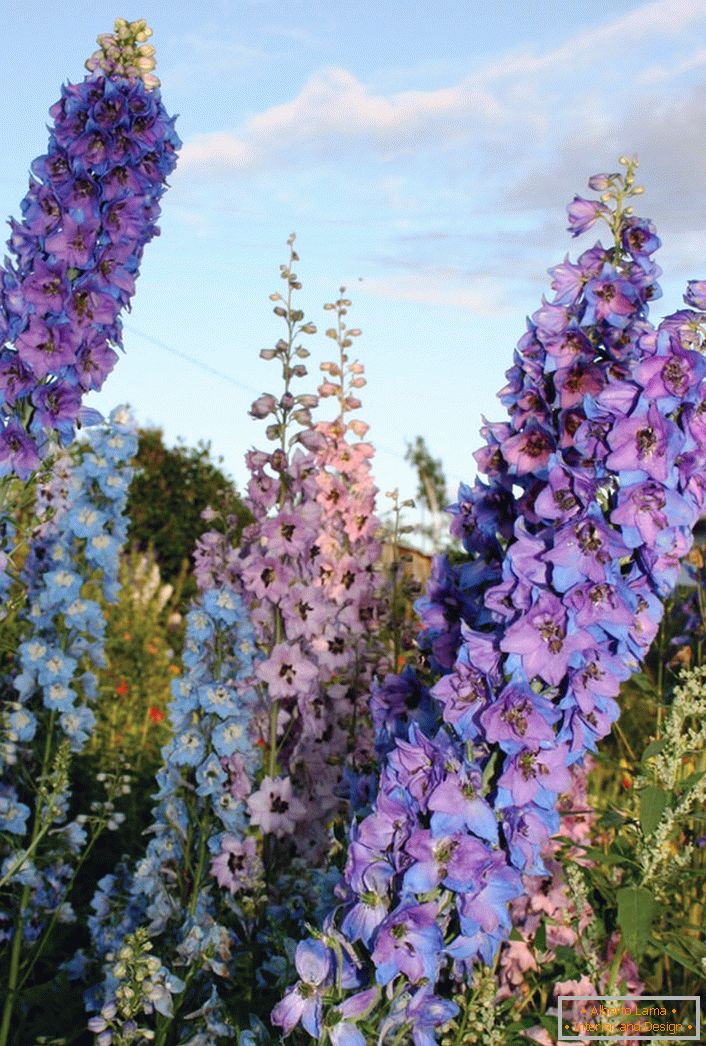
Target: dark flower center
535,444
646,440
526,764
564,499
552,635
287,672
599,594
674,376
589,539
592,671
516,717
650,500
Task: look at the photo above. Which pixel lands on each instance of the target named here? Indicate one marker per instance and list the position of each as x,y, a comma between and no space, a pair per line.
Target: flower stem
615,968
38,830
55,915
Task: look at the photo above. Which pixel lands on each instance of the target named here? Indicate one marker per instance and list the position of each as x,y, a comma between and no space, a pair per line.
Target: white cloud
217,152
447,287
513,101
666,132
335,111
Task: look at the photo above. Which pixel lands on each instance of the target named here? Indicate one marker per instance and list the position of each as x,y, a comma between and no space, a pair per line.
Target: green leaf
548,1023
653,748
643,682
681,956
692,779
653,802
636,912
488,772
540,938
606,858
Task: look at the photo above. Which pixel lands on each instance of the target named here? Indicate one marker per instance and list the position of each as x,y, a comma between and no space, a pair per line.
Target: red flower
122,688
155,714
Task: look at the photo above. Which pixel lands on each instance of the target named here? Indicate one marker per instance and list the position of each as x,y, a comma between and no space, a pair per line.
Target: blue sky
423,154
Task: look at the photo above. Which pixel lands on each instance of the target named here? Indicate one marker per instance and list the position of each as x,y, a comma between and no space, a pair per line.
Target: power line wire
239,384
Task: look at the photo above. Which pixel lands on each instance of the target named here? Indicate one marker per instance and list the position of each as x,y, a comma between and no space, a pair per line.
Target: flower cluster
557,906
593,489
305,567
199,819
143,987
72,562
70,570
92,205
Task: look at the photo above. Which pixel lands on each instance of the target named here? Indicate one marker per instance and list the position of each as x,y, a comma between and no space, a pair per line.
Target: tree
171,488
431,487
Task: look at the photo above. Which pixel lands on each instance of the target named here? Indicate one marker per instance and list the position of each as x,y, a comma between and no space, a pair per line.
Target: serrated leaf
636,912
653,803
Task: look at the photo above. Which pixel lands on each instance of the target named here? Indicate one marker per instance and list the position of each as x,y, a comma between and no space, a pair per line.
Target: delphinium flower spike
305,569
199,843
605,445
70,567
92,205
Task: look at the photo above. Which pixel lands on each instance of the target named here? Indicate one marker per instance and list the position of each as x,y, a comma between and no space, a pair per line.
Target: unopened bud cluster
141,986
125,52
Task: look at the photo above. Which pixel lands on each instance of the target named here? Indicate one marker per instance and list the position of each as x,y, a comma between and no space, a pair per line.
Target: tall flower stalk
198,840
92,205
71,567
306,568
593,490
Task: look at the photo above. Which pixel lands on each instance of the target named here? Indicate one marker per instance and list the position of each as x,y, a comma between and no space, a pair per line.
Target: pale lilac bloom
237,866
274,808
287,672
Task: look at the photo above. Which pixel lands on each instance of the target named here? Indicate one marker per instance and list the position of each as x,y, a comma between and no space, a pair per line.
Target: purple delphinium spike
552,534
92,205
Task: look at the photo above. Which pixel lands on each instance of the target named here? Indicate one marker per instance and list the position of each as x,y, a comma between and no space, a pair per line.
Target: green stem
52,922
199,867
163,1031
274,708
24,856
621,734
660,679
464,1024
38,830
615,968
